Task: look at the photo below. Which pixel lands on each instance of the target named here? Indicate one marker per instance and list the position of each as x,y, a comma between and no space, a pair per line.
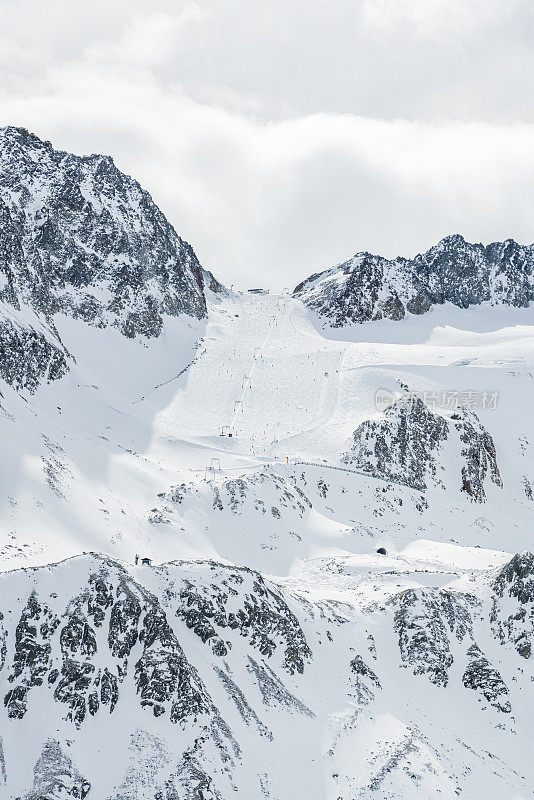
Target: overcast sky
282,136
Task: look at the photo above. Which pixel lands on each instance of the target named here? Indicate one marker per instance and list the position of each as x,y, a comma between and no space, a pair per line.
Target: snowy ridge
369,287
198,666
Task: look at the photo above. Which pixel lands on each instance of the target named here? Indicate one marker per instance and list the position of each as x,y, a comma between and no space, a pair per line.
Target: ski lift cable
241,399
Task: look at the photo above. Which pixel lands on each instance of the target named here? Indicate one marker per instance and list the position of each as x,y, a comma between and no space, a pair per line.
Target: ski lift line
357,472
275,461
241,400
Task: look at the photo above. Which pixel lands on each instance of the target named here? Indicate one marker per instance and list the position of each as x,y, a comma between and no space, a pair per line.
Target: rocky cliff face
60,650
78,237
369,287
513,604
435,628
406,445
114,648
29,353
184,681
402,446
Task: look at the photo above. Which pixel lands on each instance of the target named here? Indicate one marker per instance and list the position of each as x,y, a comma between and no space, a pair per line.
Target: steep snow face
197,679
78,237
92,659
369,287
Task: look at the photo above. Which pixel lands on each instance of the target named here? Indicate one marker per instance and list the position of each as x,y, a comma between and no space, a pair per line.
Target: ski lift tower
212,472
209,474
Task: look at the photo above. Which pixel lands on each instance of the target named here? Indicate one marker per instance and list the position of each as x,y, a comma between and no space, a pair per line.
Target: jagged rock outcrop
29,355
114,649
478,453
143,672
241,601
423,621
406,446
512,614
64,653
481,676
365,681
369,287
79,237
402,446
426,621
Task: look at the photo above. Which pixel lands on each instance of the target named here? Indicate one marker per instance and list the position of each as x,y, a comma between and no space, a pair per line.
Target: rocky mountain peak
81,238
369,287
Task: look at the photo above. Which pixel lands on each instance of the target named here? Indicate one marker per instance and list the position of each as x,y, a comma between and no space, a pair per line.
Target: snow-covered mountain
80,238
198,680
369,287
340,599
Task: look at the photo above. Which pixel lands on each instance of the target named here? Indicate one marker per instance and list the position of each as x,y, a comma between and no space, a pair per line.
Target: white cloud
272,200
433,19
149,40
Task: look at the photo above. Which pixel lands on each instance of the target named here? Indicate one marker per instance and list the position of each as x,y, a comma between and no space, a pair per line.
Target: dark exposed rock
514,621
423,621
72,688
365,681
527,488
77,636
479,453
359,667
405,445
368,287
481,676
32,656
123,624
243,601
65,653
29,356
117,644
401,446
3,643
163,674
79,237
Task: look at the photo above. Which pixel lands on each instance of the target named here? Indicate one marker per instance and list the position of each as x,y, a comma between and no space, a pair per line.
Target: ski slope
89,455
124,456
